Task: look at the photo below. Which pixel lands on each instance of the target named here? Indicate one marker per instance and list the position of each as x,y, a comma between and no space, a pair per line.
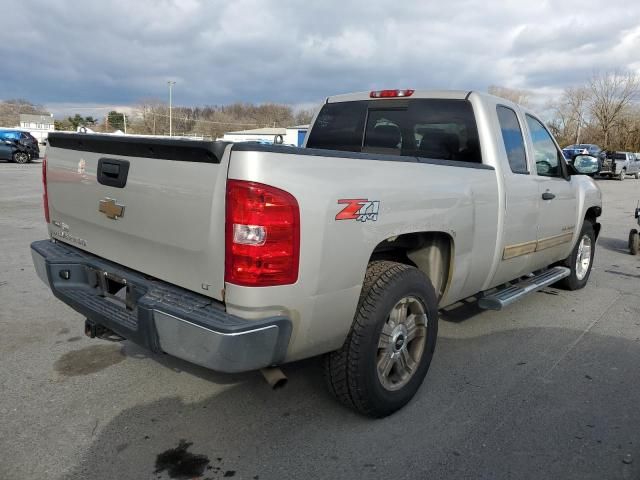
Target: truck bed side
458,199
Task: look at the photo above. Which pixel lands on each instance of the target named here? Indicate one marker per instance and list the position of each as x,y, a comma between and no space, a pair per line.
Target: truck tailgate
166,221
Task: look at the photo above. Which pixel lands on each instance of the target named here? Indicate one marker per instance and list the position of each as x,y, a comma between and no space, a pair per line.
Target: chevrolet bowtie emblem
111,209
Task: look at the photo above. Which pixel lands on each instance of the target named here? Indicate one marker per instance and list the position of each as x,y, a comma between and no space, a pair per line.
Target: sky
88,56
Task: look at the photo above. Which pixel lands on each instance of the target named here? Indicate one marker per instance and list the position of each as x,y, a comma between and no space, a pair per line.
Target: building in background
37,125
286,136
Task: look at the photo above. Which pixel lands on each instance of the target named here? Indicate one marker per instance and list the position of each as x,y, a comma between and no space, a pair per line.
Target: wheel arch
431,252
591,215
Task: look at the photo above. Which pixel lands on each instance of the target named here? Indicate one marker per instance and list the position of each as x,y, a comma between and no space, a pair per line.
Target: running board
508,295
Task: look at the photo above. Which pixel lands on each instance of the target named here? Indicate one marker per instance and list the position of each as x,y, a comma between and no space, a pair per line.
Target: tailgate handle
113,172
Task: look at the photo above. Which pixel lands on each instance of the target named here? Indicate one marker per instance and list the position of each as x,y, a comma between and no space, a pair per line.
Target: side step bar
508,295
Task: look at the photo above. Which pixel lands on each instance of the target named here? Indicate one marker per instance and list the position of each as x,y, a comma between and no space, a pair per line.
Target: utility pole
124,117
171,84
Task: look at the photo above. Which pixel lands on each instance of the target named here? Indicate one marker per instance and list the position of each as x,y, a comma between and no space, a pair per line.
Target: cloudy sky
71,54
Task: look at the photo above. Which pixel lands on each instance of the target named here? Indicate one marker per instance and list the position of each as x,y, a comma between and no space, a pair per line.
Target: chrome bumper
158,315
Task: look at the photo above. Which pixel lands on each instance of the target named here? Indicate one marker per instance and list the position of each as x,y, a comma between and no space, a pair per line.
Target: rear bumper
158,315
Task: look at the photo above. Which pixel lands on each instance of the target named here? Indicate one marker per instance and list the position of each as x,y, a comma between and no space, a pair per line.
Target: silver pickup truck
244,256
619,165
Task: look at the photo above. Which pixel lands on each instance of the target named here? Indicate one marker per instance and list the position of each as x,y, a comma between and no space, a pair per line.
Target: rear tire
389,348
622,174
636,175
634,242
580,260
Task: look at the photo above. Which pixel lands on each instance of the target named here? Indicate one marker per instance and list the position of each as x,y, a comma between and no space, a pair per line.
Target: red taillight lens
45,196
391,93
262,235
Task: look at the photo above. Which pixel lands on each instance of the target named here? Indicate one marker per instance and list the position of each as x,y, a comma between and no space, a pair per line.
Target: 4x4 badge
111,209
359,209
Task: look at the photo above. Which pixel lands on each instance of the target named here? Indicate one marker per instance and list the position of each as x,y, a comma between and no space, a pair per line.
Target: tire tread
341,365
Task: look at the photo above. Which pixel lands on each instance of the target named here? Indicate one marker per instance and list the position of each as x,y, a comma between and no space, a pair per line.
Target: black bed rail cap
177,149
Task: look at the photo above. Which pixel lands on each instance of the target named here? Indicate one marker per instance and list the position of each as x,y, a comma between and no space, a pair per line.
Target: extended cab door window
513,140
547,156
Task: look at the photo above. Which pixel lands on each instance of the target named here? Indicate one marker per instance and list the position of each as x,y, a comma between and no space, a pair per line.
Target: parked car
25,139
620,164
245,256
14,152
582,149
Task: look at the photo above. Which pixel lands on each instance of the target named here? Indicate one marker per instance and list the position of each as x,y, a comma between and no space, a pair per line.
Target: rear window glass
339,126
429,128
619,156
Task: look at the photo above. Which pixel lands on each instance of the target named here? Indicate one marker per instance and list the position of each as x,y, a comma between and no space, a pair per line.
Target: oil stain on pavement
181,464
88,360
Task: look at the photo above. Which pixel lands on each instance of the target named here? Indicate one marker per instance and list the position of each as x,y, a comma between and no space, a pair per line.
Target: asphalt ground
547,389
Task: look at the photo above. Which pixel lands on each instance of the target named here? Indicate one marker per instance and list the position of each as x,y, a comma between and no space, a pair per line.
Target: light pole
171,84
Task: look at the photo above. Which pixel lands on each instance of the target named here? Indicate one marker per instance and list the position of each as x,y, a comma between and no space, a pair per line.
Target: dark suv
25,139
14,152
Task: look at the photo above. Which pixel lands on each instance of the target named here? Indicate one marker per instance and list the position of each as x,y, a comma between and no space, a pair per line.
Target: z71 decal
359,209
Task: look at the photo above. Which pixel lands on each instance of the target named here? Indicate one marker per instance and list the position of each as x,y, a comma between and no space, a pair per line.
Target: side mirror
586,164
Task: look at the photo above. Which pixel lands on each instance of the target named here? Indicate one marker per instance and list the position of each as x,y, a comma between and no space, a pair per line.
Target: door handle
548,196
113,172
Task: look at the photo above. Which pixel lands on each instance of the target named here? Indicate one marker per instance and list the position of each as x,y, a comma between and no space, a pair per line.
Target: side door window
512,139
546,155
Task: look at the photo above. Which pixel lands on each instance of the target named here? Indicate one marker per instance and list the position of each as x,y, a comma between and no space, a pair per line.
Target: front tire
634,241
580,260
21,157
389,348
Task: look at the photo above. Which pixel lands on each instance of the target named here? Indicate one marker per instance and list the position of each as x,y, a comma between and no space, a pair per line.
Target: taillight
45,196
391,93
262,234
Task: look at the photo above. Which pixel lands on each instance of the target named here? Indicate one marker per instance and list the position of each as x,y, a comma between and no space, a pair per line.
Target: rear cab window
443,129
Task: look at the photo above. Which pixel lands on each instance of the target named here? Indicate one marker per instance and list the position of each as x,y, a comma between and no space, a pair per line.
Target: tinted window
512,138
339,126
546,154
430,128
10,135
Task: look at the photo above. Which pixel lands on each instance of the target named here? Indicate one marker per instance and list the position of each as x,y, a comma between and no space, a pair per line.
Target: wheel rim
402,343
583,259
21,157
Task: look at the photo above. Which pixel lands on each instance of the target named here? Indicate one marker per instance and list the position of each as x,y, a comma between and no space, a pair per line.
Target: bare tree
575,99
521,97
612,93
304,116
569,114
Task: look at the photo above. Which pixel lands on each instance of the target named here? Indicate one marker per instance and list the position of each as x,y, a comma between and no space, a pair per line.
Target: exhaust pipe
274,377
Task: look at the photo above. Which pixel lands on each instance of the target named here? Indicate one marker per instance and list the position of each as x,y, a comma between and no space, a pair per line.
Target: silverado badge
111,209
